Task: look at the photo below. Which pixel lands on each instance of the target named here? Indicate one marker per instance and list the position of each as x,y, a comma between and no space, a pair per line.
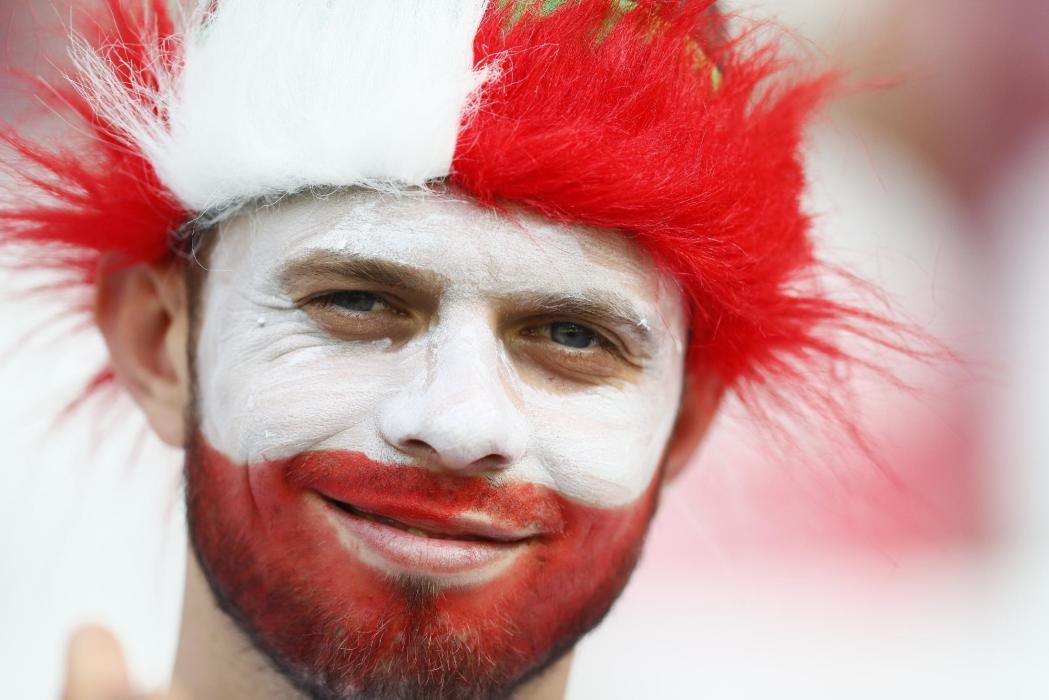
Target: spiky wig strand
635,116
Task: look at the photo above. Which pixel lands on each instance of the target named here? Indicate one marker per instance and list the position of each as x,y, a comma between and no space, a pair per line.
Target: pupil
355,301
571,335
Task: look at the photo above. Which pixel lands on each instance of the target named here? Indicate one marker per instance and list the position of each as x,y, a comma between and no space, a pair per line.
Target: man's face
427,438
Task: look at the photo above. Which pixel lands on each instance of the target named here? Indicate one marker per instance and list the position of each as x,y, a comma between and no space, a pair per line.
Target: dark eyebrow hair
339,266
597,306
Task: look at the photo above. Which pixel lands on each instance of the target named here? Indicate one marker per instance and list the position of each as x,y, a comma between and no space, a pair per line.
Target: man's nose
458,414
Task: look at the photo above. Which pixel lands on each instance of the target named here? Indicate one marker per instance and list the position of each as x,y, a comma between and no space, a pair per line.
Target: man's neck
216,660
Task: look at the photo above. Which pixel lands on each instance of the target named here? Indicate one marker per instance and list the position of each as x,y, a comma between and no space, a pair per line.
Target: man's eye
358,302
572,335
353,314
563,350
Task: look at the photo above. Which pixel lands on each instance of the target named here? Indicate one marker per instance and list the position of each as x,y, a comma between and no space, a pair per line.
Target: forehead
468,247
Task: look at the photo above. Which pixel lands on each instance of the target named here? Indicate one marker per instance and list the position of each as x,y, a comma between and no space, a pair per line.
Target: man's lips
447,552
438,527
440,503
411,520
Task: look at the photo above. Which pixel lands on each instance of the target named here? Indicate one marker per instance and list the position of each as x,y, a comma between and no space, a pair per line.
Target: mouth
462,531
461,550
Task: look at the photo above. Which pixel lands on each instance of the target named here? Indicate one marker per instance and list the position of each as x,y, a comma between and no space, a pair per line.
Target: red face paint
342,610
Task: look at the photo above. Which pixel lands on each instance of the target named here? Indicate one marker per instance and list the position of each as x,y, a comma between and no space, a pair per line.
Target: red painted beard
322,561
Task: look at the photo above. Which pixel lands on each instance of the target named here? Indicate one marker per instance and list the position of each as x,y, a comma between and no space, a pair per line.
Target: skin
474,338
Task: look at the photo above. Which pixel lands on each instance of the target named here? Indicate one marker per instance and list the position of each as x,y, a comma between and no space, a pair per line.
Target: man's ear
143,313
699,402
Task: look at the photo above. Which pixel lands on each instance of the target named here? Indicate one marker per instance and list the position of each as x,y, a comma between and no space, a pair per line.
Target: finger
96,669
176,693
172,694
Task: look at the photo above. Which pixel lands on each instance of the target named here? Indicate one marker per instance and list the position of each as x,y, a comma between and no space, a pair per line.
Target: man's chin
343,617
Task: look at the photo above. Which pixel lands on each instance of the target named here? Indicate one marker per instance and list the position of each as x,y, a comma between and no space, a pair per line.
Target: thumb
96,669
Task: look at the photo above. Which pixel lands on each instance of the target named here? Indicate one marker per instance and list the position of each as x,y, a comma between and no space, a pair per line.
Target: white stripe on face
469,362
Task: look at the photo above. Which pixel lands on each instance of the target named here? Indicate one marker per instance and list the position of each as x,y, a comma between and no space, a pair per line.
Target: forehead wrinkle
553,241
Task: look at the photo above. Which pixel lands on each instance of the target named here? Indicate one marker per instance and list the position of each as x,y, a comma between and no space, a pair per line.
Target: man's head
424,439
427,416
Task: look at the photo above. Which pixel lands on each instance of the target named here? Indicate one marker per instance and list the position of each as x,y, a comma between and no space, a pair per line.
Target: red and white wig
640,116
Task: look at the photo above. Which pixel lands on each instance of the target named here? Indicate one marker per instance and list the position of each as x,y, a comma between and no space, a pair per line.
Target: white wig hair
266,97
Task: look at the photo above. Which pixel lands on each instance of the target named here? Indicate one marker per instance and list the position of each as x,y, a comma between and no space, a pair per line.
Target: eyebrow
341,266
598,306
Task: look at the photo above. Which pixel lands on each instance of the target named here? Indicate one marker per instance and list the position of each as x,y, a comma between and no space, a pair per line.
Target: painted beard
363,580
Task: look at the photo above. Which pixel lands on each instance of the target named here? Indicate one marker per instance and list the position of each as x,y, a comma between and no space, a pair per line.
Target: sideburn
196,253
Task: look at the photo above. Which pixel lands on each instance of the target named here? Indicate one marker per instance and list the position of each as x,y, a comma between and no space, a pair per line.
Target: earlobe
699,404
142,311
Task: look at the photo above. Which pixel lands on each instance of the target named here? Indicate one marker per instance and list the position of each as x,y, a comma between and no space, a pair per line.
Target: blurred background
924,577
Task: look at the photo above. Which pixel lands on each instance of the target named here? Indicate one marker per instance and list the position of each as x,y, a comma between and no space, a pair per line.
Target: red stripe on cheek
273,553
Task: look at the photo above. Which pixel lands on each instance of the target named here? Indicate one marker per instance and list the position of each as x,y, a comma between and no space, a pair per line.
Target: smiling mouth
457,551
420,530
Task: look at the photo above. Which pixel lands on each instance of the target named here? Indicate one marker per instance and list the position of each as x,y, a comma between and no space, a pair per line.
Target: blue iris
355,301
571,335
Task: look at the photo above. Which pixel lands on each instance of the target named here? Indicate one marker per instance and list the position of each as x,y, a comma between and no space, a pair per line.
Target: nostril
416,445
470,437
490,463
454,455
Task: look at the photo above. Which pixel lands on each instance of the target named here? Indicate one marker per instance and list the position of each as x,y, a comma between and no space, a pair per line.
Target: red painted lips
443,505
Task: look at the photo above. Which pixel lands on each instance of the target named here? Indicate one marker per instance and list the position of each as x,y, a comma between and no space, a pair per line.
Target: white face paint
477,375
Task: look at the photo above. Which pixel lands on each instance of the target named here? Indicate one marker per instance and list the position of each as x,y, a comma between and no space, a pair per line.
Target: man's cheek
311,397
611,471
